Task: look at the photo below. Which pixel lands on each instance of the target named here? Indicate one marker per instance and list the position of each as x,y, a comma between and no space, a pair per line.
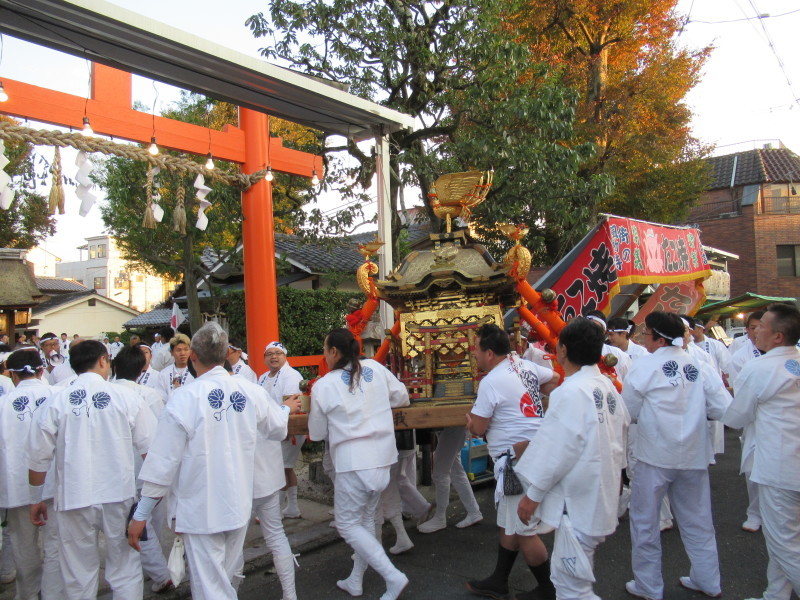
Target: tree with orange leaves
626,59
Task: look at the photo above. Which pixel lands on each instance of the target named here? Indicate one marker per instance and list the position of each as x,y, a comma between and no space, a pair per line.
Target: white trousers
690,498
268,511
780,522
52,581
571,588
78,532
214,559
25,550
447,470
154,563
412,502
355,502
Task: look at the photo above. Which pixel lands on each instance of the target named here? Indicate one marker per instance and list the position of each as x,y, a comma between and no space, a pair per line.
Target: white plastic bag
176,564
568,556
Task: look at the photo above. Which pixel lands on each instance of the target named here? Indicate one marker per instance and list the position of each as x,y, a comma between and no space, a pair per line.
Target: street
440,563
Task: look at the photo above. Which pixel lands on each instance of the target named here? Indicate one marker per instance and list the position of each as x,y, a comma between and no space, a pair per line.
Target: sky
749,94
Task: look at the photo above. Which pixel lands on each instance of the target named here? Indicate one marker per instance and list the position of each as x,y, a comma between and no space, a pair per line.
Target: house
103,269
44,262
18,292
752,209
86,313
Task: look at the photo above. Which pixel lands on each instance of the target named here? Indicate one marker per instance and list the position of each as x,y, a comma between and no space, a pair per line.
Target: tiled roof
336,255
766,165
158,317
60,299
58,285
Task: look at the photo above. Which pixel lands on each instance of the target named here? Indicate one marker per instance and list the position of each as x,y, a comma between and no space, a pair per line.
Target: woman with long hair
351,409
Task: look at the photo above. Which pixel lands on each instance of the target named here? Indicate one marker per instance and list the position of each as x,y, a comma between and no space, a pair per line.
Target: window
99,283
92,302
101,251
788,261
92,251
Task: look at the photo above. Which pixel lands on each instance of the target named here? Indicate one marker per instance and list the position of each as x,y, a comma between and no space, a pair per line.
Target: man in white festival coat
88,429
672,396
508,409
17,412
767,399
279,381
204,449
575,461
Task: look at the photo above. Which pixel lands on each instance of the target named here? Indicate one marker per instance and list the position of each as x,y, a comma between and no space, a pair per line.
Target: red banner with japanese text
620,251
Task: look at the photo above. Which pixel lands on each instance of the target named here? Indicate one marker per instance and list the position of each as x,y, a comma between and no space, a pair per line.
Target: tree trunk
190,283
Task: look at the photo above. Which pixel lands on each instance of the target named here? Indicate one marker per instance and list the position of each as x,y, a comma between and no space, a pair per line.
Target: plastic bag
175,563
568,555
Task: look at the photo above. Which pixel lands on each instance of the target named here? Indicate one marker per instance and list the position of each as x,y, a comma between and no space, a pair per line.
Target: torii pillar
258,236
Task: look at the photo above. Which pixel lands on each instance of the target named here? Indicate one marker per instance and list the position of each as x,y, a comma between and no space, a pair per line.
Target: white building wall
87,321
107,272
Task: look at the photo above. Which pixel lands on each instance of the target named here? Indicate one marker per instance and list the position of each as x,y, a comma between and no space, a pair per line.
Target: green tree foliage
26,222
305,317
454,67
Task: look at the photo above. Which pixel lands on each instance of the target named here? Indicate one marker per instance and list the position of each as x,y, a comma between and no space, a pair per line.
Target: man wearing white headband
619,336
18,409
672,396
236,358
51,352
149,376
282,380
87,429
623,360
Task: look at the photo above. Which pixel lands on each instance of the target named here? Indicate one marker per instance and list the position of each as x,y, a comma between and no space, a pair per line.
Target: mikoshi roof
745,303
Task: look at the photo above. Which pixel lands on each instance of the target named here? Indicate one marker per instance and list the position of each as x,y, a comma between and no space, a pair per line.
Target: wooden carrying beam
423,415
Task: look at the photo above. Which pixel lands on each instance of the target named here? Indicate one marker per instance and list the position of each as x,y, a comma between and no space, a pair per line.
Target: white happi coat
165,378
623,360
358,425
6,385
162,357
242,369
574,462
205,447
767,394
286,382
672,396
149,378
719,351
537,357
89,428
61,373
742,356
17,411
634,350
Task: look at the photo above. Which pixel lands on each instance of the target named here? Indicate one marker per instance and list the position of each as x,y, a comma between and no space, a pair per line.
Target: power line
756,18
775,52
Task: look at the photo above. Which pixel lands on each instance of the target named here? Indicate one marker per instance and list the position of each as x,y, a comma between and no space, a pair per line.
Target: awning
741,304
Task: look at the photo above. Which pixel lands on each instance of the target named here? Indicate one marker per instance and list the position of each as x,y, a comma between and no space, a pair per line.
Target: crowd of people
129,439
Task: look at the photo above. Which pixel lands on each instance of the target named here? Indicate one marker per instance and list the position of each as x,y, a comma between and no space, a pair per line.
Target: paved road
440,563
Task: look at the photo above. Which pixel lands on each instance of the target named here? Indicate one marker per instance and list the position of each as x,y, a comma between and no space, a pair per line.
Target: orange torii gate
110,113
116,37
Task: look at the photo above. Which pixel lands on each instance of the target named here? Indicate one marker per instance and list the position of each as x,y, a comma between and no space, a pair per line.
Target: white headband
26,369
276,346
674,341
598,320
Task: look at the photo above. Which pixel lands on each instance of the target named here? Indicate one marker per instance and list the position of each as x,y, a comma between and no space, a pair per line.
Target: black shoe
488,588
